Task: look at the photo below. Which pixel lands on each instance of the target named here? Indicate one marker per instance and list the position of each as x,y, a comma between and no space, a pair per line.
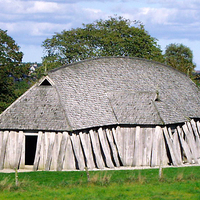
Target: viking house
103,113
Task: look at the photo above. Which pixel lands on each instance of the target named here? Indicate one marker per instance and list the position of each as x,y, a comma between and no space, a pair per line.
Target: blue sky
29,23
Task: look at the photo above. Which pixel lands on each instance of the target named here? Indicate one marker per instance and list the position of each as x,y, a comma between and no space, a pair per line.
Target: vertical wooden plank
1,140
141,146
198,126
41,164
160,147
22,161
155,149
61,154
128,146
38,151
78,151
50,150
113,147
144,153
12,149
3,149
137,147
115,136
86,143
149,141
170,146
177,147
55,152
19,145
165,159
96,149
105,148
175,144
197,139
191,142
184,145
69,158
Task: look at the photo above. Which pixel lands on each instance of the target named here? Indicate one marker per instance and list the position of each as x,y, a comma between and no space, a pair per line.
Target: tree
113,37
180,57
11,69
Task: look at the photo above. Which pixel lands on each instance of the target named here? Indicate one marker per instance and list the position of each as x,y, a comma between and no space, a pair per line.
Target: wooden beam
184,145
197,139
191,142
105,148
3,148
50,150
38,151
115,137
96,149
69,162
87,148
113,147
19,146
170,146
78,151
137,147
61,154
155,147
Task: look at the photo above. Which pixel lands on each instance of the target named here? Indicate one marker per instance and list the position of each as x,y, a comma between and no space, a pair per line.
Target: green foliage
180,57
11,69
116,36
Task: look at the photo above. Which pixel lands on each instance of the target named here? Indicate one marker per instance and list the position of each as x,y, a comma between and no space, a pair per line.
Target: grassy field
177,183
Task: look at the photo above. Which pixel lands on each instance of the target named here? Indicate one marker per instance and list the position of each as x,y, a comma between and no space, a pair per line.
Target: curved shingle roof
105,91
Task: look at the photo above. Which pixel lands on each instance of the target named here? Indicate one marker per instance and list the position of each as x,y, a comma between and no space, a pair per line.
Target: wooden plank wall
105,148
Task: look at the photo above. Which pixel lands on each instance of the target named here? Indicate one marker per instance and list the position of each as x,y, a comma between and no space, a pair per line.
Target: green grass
177,183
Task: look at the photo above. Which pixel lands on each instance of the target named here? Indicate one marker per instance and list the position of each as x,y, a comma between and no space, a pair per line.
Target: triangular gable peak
46,81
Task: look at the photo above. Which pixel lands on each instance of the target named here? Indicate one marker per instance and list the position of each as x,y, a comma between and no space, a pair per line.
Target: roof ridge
107,57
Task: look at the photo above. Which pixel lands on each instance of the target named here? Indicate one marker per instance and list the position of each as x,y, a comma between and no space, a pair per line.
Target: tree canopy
11,70
113,37
180,57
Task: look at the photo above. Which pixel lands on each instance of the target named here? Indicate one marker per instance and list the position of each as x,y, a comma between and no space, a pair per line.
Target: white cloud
31,22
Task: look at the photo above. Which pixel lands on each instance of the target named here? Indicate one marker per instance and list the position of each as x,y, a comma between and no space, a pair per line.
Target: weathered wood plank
96,149
58,137
184,145
149,143
1,140
144,153
65,138
177,147
49,151
115,136
105,148
86,143
69,158
164,152
113,147
3,148
197,139
175,144
19,145
191,142
41,164
171,147
155,149
38,151
78,151
11,149
22,159
137,147
129,145
198,126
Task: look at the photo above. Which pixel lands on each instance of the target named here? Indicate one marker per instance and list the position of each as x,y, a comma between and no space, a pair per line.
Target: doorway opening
30,149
